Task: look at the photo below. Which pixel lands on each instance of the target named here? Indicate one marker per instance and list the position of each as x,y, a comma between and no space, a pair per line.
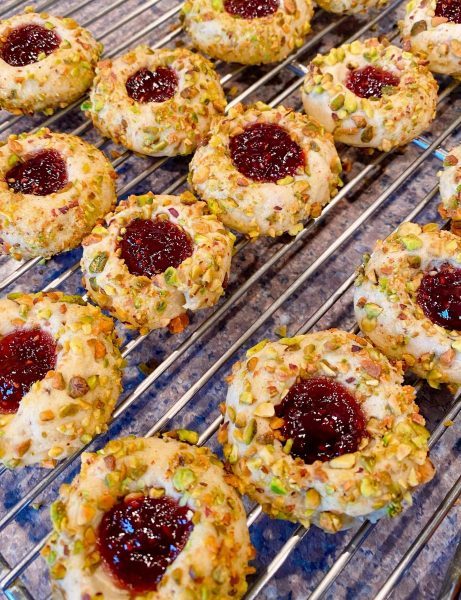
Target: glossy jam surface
152,86
251,9
322,418
370,81
138,539
450,9
26,44
26,356
266,153
439,295
149,247
42,174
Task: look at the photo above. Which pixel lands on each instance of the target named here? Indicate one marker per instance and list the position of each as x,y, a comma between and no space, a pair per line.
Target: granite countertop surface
308,563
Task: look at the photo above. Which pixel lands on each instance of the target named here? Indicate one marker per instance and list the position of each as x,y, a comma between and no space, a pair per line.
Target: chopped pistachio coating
374,481
33,225
351,7
168,128
151,303
214,562
74,402
390,280
401,114
434,39
450,188
55,80
224,36
258,208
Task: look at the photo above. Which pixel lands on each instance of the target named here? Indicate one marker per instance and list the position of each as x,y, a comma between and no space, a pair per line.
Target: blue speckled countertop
389,540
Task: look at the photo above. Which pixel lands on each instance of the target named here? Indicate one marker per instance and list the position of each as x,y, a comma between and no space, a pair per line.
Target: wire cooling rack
284,285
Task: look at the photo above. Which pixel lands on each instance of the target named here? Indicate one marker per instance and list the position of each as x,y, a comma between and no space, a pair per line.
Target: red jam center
138,539
450,9
251,9
439,295
26,44
152,86
370,81
265,152
42,174
26,356
150,247
322,418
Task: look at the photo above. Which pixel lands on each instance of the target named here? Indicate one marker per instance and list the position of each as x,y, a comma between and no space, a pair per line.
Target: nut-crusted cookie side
450,188
230,38
351,7
74,401
434,38
44,225
260,207
377,479
214,562
386,301
401,113
171,127
54,80
148,303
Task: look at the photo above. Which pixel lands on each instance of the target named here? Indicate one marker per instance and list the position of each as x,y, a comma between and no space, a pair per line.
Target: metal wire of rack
431,149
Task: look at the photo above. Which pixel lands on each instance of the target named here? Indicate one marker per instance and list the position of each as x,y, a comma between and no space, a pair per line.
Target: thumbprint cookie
432,29
370,94
264,171
152,519
156,102
54,188
46,62
319,429
249,32
155,258
60,376
408,300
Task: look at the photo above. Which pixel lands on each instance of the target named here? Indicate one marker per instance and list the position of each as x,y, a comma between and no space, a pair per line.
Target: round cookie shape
309,170
71,402
218,29
351,7
198,263
399,104
54,188
368,475
214,562
46,62
450,188
156,102
434,37
389,307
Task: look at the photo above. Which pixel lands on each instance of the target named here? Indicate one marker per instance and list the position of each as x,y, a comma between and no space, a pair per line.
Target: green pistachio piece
99,262
183,479
277,486
411,242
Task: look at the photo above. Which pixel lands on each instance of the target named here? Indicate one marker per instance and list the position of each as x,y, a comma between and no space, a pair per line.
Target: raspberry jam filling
138,539
266,153
27,44
450,9
149,247
322,418
26,356
152,86
251,9
369,82
439,295
42,174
